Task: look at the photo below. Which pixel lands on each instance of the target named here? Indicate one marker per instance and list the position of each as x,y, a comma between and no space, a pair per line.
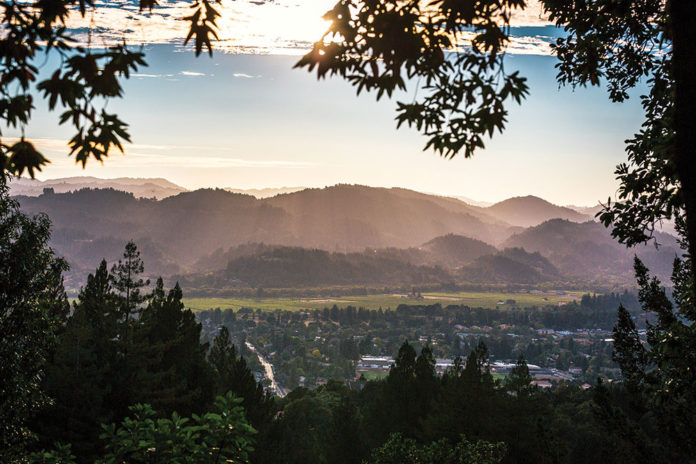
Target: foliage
454,51
98,371
599,45
660,373
83,377
214,437
400,450
126,281
173,374
519,381
83,81
33,305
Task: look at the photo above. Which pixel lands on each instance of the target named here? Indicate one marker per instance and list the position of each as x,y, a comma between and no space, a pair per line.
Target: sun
278,27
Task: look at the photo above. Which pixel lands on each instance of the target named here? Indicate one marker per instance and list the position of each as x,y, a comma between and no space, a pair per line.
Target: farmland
385,301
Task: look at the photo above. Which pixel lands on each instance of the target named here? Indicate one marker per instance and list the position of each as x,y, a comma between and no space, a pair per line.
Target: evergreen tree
33,305
128,286
126,280
660,375
519,381
172,371
346,438
81,377
426,382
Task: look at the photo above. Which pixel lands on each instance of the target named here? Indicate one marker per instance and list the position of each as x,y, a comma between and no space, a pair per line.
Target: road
275,387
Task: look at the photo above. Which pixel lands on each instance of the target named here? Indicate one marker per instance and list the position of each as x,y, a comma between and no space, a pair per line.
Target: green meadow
385,301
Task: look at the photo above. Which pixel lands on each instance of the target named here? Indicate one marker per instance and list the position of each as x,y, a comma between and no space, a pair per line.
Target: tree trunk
683,18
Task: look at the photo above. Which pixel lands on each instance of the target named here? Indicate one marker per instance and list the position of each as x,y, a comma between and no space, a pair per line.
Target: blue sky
246,119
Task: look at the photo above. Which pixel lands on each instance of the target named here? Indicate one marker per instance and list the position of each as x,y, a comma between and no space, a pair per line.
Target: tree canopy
83,81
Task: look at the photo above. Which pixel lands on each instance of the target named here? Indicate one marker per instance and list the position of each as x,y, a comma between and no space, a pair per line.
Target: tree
33,306
346,438
83,81
519,381
625,43
660,374
401,450
81,376
454,50
125,280
172,371
222,436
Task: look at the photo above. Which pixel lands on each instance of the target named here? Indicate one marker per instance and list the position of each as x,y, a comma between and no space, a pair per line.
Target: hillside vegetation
341,235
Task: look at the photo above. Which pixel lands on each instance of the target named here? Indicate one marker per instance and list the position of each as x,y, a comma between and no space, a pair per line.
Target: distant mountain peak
158,188
530,210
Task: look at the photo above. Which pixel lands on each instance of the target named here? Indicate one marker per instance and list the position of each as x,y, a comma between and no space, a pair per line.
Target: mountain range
140,188
367,229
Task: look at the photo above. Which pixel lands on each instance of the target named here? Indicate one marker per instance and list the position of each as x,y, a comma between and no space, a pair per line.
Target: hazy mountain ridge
140,187
265,192
456,250
285,267
512,265
191,225
205,230
530,211
584,250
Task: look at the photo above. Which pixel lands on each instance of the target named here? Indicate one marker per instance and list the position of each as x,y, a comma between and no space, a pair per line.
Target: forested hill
190,225
258,265
205,230
587,250
286,267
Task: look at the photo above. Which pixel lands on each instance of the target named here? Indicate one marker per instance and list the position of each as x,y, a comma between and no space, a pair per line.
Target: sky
246,119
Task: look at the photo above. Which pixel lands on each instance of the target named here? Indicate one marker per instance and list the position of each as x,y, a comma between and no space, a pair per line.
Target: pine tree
519,381
660,375
82,377
172,372
128,286
126,280
629,352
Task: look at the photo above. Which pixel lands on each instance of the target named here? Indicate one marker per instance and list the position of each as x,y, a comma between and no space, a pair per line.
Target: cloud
285,27
244,76
192,73
143,155
532,16
149,76
538,45
518,45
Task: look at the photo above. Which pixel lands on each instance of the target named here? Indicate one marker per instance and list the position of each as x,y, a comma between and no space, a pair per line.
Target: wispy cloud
286,27
527,45
143,155
192,73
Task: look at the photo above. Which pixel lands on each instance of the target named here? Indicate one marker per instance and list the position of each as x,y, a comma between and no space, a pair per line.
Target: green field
473,299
